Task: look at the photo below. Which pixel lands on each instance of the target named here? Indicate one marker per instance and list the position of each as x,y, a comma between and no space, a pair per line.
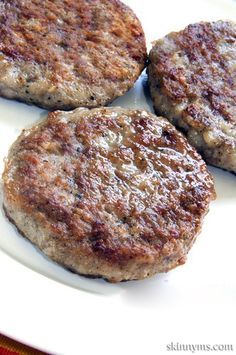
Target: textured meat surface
192,76
110,192
68,53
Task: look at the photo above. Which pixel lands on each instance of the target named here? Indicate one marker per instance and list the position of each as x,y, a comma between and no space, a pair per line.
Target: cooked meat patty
192,76
108,192
67,53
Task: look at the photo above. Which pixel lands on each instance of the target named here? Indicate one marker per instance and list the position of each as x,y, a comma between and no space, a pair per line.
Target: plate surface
48,307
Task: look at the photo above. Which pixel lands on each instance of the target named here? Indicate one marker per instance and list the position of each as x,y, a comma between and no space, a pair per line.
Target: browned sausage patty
109,192
67,53
192,78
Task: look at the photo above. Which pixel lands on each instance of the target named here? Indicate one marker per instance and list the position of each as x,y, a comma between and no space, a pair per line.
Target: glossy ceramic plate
48,307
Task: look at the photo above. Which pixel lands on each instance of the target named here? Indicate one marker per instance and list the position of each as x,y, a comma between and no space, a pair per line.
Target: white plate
50,308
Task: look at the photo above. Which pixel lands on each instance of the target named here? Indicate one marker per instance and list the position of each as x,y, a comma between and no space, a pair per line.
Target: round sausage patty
192,76
108,192
64,54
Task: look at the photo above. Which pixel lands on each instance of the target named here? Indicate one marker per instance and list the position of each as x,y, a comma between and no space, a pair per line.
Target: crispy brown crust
71,45
22,233
116,187
193,82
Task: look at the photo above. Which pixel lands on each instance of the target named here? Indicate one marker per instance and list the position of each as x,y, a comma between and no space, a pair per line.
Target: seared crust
68,53
192,78
111,192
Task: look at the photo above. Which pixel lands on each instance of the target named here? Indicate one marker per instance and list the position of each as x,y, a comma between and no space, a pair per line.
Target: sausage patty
108,192
64,54
192,76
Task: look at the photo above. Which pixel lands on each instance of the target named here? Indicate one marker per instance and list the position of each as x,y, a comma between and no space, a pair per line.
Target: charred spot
175,73
118,180
230,40
50,207
100,247
169,137
98,231
79,196
210,92
102,242
64,45
165,134
125,219
56,212
143,122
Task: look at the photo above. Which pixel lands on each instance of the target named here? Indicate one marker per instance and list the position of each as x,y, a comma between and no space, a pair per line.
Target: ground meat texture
108,192
192,77
64,54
